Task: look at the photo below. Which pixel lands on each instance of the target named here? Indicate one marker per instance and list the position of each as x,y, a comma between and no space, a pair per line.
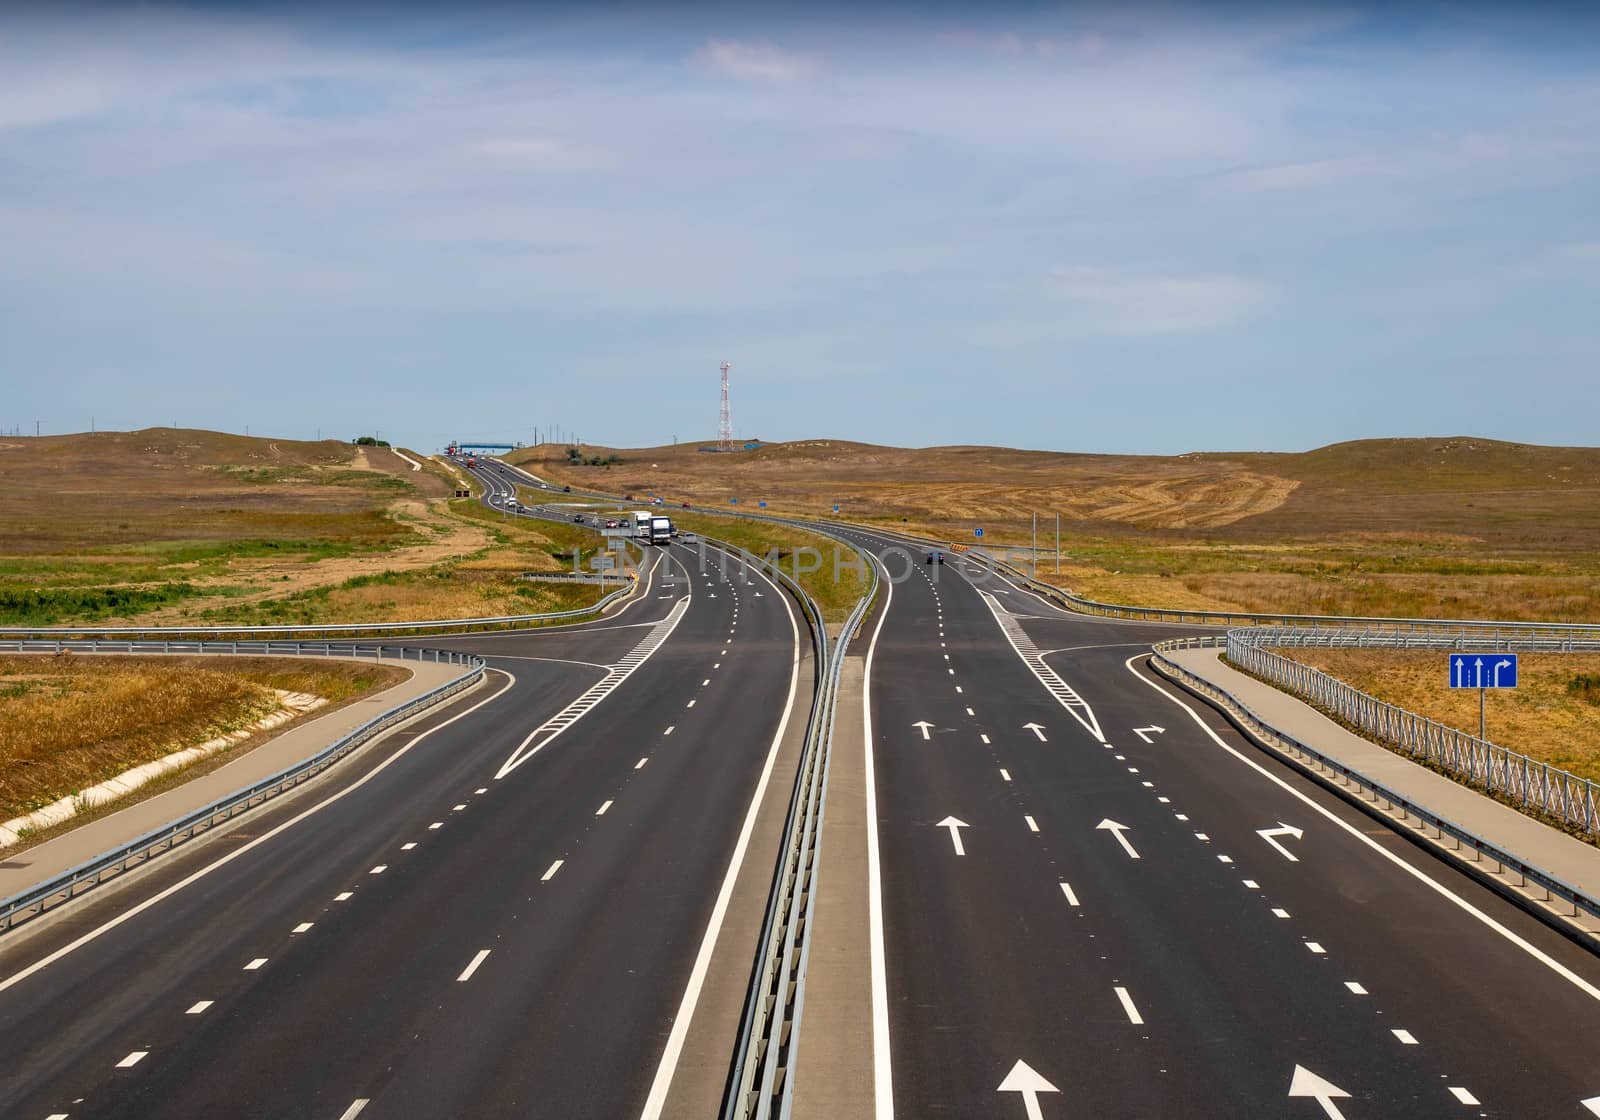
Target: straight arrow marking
1117,830
1024,1079
922,726
1141,732
1037,730
955,826
1304,1083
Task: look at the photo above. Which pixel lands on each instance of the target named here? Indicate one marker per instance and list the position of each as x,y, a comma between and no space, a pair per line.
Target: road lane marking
472,966
1355,988
1438,888
1202,837
481,790
1279,912
133,911
1405,1038
133,1059
600,812
1127,1005
971,712
435,824
705,682
302,927
1224,859
255,964
1164,800
1463,1096
408,847
355,1108
667,1067
668,731
1251,884
1315,947
199,1007
457,808
985,738
550,874
1066,889
640,764
343,895
379,870
1005,775
1033,825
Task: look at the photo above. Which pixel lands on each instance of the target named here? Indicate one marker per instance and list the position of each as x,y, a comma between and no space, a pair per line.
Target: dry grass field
1553,714
1453,527
166,526
69,721
836,597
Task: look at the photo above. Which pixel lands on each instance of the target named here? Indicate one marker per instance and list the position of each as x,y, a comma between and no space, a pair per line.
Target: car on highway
611,523
577,519
936,558
685,505
566,489
688,538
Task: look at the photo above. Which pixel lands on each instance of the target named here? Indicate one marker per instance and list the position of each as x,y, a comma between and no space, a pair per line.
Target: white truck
652,528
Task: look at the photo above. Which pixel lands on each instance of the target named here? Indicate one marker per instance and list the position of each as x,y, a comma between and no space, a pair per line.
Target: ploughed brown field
1452,527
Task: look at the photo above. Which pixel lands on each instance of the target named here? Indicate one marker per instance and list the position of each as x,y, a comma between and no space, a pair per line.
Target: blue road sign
977,532
835,509
733,501
1483,670
763,505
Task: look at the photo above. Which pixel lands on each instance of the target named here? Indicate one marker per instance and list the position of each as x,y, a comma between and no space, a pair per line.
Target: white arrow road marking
955,828
1270,834
1141,732
1117,830
1025,1080
922,726
1304,1083
1037,730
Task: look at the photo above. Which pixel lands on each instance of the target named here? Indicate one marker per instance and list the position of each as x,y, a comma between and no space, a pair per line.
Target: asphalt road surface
495,913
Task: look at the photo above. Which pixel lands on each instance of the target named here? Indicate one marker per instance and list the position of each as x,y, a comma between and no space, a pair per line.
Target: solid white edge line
882,1055
1443,891
134,911
668,1066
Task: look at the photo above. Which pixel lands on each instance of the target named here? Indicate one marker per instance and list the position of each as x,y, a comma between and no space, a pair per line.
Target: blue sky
1151,228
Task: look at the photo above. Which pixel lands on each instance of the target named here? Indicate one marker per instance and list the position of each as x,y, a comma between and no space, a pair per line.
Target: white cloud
548,153
1106,301
751,61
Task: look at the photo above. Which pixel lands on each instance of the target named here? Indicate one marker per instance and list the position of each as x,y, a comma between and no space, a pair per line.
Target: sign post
1483,671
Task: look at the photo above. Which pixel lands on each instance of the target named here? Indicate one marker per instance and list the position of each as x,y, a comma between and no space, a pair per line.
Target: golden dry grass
70,721
1541,718
1455,527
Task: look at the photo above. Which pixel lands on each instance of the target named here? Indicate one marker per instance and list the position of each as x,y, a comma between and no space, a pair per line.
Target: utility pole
1033,555
1058,542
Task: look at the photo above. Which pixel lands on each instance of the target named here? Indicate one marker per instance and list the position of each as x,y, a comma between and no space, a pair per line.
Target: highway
502,911
1098,900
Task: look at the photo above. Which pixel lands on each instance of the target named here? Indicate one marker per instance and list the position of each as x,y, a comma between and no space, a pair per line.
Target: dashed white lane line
600,812
705,682
408,847
481,790
199,1008
668,731
1165,800
435,825
1356,988
1251,884
457,808
255,964
1005,775
985,738
355,1109
1224,859
302,927
379,870
958,688
1127,1005
1066,889
1405,1038
1463,1096
1181,816
56,1116
343,896
1315,947
550,874
1033,825
1279,912
970,712
133,1059
1202,837
640,764
472,966
1148,785
718,665
690,704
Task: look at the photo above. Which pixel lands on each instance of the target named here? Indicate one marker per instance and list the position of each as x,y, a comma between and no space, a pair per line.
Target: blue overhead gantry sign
1483,670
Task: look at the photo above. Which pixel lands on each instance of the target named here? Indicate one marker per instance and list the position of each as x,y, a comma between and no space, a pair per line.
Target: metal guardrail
86,876
758,1084
1322,766
1525,781
352,629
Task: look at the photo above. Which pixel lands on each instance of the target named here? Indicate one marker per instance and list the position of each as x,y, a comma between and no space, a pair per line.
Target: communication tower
725,428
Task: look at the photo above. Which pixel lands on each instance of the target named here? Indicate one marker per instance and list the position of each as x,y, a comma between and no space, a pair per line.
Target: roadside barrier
1466,847
85,877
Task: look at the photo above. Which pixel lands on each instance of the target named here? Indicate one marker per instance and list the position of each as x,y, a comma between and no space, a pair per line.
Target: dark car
685,505
566,489
936,558
577,519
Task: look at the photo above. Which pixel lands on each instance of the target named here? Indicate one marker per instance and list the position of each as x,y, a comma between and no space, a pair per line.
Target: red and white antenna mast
725,428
